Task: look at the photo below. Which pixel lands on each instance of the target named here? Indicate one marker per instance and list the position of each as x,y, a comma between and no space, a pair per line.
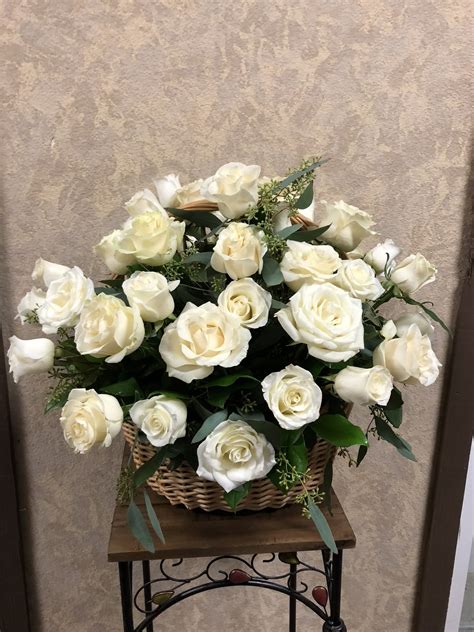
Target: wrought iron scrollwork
173,585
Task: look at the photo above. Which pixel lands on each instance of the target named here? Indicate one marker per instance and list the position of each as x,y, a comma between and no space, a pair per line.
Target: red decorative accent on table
320,595
238,576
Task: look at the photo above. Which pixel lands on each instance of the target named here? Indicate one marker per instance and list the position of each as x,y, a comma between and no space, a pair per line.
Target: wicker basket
182,486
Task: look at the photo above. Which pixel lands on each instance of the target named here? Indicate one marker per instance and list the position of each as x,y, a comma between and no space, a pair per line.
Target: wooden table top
200,534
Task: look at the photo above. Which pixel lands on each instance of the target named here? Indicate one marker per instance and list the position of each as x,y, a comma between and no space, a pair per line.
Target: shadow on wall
449,469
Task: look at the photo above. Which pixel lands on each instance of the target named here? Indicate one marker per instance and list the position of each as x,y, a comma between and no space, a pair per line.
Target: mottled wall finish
97,98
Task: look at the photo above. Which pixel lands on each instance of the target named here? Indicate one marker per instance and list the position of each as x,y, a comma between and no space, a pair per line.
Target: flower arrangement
240,324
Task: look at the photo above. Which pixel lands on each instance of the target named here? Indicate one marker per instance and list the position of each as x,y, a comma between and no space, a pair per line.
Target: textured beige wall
97,98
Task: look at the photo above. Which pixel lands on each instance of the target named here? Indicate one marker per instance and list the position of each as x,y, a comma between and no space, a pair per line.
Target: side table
266,537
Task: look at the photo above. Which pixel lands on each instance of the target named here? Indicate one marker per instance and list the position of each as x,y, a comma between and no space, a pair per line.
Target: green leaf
199,257
107,290
218,397
274,477
297,455
278,304
200,218
147,470
270,335
298,174
393,410
386,433
321,525
339,431
209,425
155,523
315,367
327,484
430,312
306,197
228,380
138,527
309,235
361,454
272,432
126,388
234,497
284,233
170,394
271,272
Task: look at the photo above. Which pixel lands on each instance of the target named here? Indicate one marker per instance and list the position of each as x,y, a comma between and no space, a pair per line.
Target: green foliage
234,497
139,528
209,425
339,431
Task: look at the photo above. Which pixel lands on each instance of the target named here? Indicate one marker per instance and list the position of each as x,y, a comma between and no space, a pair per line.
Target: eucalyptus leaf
147,470
155,523
321,525
271,272
286,232
199,257
363,449
218,396
278,304
139,528
298,174
309,235
200,218
327,484
234,497
306,197
386,433
209,425
339,431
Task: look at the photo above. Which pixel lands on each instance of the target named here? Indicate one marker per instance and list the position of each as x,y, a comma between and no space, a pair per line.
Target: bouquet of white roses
240,323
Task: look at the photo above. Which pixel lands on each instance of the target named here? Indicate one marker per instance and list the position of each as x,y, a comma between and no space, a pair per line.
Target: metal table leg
335,623
125,574
147,592
292,586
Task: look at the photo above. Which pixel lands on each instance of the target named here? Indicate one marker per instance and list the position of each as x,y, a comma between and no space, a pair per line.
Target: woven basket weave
182,486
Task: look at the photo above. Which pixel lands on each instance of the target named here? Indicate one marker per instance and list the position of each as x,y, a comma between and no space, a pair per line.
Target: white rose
410,358
389,330
248,301
305,263
89,418
190,192
65,300
239,250
382,255
364,386
403,322
109,329
152,238
150,292
234,188
27,357
143,202
293,396
200,339
166,189
116,261
358,278
30,303
233,454
349,225
46,271
413,273
162,419
326,319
